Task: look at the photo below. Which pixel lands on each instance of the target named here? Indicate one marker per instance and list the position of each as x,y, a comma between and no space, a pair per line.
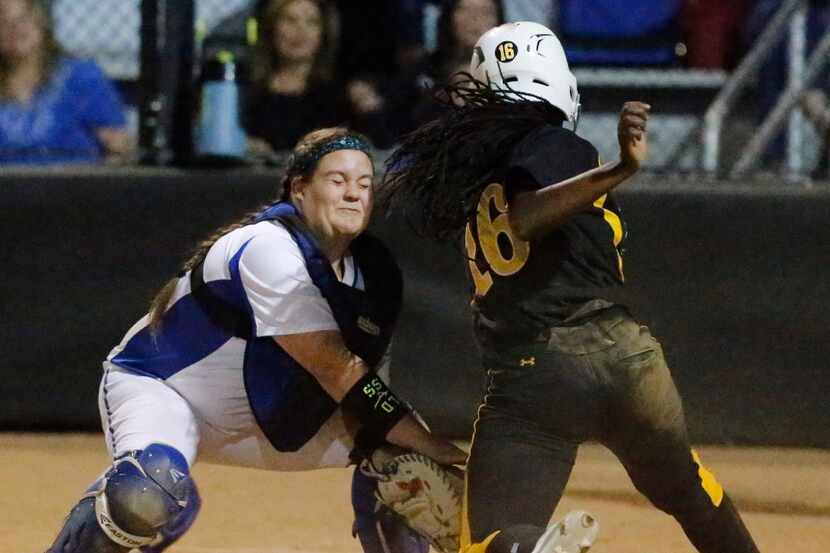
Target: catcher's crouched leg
146,500
408,495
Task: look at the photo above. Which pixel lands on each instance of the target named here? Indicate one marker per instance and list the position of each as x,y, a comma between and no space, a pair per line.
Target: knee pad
379,529
143,493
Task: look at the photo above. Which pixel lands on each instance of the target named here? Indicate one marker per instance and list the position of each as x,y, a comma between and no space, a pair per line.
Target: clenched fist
632,134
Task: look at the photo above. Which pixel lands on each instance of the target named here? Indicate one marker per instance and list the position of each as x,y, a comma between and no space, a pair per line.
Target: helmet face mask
527,58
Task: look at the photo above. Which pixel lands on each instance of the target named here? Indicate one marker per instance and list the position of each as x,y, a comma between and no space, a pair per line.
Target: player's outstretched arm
535,213
349,381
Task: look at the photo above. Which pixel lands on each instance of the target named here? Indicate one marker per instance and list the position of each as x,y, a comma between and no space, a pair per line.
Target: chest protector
287,401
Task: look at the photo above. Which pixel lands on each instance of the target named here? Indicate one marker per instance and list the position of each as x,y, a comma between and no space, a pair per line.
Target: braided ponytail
439,170
158,305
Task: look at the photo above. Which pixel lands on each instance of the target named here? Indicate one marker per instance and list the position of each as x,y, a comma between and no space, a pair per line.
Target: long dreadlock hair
437,172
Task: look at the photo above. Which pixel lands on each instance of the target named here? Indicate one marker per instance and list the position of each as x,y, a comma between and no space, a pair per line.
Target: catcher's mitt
424,493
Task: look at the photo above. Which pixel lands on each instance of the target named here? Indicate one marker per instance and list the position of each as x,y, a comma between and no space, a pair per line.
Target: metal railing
110,30
651,78
790,17
786,104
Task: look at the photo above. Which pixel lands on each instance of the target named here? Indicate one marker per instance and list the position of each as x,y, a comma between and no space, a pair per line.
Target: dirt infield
783,494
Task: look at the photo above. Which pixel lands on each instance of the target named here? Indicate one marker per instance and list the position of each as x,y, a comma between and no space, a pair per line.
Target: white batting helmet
526,57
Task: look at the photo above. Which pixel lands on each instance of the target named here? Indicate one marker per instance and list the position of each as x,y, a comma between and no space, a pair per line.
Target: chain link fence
105,30
108,30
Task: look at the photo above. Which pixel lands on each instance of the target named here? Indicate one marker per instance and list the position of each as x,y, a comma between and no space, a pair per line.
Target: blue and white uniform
226,399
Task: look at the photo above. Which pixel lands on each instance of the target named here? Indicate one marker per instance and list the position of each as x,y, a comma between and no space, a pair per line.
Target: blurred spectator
460,24
711,30
53,108
410,29
295,88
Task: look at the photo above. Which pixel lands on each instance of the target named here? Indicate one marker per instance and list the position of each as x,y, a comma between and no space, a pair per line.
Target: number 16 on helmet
526,58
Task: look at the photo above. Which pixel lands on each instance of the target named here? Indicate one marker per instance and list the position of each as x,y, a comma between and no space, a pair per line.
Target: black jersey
521,287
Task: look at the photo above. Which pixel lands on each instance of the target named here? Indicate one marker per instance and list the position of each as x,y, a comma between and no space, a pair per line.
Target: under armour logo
527,362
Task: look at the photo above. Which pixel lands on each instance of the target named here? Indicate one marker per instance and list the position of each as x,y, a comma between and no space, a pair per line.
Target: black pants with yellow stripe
604,379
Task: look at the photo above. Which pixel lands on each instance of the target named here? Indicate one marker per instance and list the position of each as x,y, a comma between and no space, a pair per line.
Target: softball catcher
263,352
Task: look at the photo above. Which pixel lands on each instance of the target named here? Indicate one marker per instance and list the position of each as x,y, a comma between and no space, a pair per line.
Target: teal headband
349,142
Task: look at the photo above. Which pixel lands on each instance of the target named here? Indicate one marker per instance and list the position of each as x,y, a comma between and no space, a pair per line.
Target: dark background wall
733,281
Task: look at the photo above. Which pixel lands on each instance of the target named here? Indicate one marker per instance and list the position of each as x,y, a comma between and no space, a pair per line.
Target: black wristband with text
375,406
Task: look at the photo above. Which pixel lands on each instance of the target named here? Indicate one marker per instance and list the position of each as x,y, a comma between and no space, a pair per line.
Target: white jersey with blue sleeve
184,384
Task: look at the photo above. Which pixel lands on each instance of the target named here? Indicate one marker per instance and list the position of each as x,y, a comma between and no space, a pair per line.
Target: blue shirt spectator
59,123
53,108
